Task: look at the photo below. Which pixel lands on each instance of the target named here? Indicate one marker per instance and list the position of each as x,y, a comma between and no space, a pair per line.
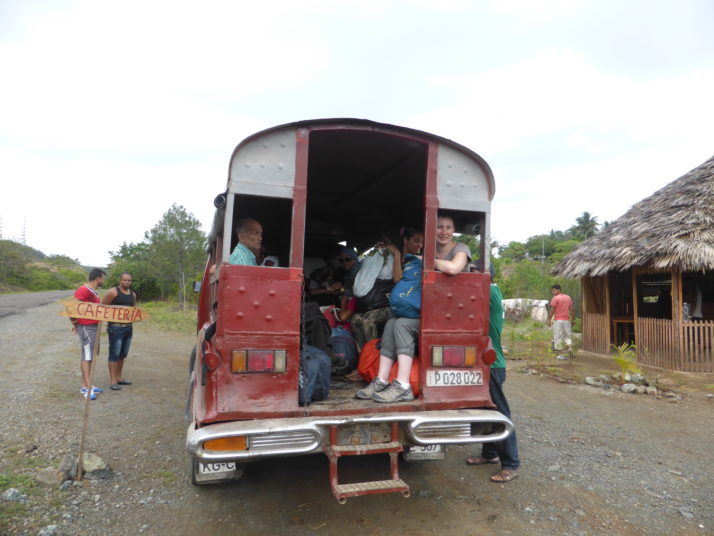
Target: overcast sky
110,112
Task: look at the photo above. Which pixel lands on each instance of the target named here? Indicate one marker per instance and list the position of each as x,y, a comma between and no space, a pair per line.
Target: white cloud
555,91
146,75
538,11
84,208
551,199
150,98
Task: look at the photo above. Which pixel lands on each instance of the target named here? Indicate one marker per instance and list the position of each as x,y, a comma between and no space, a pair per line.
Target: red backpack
369,366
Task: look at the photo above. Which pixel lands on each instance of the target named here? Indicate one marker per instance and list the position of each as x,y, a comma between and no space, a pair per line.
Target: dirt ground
594,461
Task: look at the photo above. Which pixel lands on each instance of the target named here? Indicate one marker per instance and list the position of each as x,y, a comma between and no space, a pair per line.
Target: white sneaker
394,393
375,386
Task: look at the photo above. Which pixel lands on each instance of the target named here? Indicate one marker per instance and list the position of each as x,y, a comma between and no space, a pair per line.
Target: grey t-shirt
460,248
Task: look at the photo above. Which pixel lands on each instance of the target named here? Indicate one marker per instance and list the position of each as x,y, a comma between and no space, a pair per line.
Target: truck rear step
343,491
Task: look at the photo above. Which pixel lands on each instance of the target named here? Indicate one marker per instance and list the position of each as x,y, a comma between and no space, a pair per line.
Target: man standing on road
87,331
505,451
119,334
561,306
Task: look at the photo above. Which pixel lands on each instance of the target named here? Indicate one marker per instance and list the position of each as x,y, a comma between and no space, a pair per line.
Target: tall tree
513,252
136,260
540,247
585,225
177,249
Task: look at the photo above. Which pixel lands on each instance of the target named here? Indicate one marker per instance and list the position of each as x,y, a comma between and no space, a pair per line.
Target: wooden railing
690,350
595,333
697,338
657,343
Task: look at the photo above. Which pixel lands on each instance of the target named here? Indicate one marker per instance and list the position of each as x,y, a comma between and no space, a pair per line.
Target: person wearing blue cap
350,264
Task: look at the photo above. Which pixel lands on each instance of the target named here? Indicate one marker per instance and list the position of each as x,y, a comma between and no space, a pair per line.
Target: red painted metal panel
255,299
299,198
455,303
455,313
258,308
204,305
431,205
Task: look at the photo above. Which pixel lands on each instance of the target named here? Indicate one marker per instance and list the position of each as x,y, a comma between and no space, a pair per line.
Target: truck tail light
453,356
243,361
226,443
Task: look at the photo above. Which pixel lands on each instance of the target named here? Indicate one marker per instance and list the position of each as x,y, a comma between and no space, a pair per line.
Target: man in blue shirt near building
250,238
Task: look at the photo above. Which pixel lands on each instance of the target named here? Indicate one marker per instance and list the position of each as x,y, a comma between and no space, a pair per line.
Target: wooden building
648,278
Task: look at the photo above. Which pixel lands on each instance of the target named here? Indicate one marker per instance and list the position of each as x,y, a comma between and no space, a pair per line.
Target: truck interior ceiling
360,186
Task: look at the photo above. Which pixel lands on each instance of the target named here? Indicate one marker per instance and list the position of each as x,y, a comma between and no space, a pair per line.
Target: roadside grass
527,340
167,475
709,387
15,510
23,462
22,482
170,316
59,395
12,511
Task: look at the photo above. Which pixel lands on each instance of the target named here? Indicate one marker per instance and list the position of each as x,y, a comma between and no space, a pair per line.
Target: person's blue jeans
119,341
507,449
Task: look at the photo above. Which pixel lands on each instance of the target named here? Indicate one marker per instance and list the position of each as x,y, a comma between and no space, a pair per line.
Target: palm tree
586,225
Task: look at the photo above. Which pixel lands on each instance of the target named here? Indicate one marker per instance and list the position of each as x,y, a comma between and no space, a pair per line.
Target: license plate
212,468
425,452
453,378
427,448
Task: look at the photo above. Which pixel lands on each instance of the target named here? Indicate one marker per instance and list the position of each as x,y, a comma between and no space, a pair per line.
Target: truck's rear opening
313,186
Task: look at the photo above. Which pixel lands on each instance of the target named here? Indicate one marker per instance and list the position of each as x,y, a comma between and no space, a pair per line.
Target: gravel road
595,462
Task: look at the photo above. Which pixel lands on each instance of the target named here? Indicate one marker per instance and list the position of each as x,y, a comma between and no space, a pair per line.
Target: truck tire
188,414
192,361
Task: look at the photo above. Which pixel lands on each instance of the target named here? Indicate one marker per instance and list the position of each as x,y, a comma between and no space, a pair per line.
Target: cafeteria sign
120,314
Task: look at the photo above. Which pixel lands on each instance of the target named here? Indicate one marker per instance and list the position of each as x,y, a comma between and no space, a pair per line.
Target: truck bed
342,396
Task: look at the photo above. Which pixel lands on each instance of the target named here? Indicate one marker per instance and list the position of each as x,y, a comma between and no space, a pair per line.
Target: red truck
345,181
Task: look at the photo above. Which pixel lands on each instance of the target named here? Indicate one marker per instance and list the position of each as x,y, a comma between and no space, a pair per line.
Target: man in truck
250,238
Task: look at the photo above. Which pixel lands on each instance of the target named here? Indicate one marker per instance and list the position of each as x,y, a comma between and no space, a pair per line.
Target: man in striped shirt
250,238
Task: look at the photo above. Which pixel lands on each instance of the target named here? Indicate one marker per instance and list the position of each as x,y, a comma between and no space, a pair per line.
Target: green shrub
626,358
169,316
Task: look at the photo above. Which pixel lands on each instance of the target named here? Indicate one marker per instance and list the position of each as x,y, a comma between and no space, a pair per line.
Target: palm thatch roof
671,229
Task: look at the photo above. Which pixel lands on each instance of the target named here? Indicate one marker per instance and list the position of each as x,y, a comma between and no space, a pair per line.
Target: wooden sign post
120,314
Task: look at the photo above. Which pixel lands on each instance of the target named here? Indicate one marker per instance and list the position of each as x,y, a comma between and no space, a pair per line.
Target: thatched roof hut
648,278
673,229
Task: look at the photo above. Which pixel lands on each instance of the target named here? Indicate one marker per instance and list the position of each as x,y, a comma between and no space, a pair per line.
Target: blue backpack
344,347
405,300
314,379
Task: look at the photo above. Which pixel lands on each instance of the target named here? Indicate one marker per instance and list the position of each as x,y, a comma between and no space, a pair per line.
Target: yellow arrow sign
120,314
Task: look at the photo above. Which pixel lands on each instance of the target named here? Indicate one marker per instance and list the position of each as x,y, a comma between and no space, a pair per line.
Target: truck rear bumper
308,435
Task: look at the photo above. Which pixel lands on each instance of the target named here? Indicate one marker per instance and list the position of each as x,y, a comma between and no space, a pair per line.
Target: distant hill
25,268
